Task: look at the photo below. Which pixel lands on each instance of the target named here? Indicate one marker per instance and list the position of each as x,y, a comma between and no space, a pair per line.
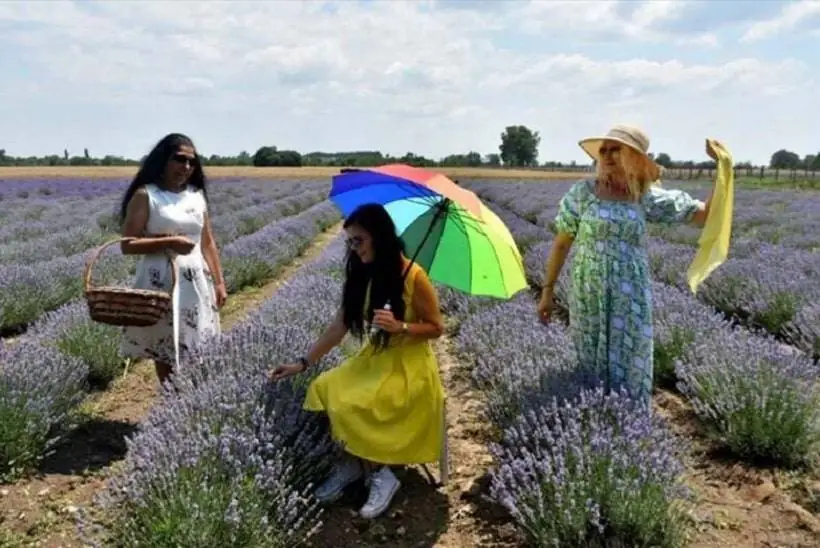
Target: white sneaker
344,473
383,485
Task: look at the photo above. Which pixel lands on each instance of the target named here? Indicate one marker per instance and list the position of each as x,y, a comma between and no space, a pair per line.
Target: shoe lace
377,486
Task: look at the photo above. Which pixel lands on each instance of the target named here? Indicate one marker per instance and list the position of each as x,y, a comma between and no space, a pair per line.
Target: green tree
784,159
664,160
519,146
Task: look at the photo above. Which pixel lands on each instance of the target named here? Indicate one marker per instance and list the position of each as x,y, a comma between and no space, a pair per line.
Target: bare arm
558,255
136,218
210,251
430,324
702,213
330,338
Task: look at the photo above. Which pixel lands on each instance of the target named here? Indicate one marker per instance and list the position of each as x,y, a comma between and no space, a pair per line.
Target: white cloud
610,20
790,17
393,75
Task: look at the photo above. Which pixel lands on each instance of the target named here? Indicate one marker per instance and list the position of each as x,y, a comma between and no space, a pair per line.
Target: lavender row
32,220
571,465
234,444
730,374
775,289
559,465
66,238
26,292
46,372
788,218
50,189
769,286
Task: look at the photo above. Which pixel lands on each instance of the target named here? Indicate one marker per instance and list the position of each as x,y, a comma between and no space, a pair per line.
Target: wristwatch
404,327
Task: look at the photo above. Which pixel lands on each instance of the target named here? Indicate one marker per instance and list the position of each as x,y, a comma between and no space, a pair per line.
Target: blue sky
432,77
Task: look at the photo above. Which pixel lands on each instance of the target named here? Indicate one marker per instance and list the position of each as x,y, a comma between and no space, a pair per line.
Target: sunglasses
183,159
354,242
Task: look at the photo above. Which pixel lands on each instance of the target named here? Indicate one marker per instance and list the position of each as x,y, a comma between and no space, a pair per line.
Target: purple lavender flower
597,470
38,388
758,396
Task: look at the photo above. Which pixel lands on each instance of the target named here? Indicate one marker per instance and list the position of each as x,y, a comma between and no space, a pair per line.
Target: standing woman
164,213
610,301
385,403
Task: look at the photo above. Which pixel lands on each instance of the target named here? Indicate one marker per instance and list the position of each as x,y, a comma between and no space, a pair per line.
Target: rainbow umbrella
448,231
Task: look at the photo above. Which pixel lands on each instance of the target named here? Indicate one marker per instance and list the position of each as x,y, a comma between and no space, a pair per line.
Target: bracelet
305,363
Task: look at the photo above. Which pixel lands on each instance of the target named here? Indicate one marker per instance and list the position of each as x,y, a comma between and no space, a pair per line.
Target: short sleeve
669,206
570,209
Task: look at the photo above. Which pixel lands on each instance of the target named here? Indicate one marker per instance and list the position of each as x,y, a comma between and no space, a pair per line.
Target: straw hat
629,136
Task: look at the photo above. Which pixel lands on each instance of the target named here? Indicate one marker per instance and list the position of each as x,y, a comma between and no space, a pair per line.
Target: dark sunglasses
183,159
354,242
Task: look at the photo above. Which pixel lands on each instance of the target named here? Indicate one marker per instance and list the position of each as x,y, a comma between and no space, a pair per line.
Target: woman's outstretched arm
329,339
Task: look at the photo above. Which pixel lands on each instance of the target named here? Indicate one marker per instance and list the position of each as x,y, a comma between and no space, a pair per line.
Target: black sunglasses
183,159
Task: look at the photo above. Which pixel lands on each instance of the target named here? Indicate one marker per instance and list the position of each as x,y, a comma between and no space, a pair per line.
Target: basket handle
99,250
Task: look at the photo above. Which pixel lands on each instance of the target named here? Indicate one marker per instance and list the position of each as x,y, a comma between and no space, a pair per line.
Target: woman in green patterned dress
610,301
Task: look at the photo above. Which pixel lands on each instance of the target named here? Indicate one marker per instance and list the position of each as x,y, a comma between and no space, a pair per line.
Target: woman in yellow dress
385,402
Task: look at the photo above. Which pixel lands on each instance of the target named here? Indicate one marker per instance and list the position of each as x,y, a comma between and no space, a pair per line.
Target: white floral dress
194,315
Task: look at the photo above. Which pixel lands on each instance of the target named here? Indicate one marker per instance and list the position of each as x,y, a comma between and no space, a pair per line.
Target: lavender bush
759,398
517,361
235,448
32,411
600,471
229,462
71,330
29,289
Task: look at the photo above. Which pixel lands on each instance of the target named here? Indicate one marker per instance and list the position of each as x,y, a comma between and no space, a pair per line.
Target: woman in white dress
165,214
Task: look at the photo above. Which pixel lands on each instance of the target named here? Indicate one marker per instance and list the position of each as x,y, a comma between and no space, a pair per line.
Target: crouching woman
384,403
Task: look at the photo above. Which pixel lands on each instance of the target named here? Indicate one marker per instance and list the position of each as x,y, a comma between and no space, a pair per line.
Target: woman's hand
182,244
221,294
385,319
545,304
285,371
711,150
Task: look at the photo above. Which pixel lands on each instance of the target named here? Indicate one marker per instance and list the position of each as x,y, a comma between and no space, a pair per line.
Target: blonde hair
639,171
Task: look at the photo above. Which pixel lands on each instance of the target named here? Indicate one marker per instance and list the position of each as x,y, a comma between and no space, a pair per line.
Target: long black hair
153,167
384,273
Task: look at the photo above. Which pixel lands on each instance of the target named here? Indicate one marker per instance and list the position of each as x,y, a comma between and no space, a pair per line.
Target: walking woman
610,301
385,403
164,213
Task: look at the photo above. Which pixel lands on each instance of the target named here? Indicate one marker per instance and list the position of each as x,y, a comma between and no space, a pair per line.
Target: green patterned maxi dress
610,301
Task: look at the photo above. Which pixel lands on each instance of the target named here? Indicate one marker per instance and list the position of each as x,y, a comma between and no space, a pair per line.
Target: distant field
65,172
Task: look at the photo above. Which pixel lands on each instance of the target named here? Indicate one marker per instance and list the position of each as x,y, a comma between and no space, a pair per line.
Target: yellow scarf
713,245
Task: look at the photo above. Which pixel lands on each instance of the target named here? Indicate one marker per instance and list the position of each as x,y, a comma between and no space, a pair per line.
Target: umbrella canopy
446,229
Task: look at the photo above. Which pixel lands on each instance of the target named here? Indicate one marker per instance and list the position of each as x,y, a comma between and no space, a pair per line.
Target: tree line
518,148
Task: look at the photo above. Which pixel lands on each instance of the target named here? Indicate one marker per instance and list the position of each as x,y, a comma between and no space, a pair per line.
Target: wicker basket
125,306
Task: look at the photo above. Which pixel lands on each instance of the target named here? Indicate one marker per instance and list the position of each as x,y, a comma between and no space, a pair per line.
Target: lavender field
551,461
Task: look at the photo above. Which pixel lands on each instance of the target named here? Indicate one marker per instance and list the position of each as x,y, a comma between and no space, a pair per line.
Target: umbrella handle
441,208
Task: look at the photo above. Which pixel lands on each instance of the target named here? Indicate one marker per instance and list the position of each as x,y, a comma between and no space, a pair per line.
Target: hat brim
591,145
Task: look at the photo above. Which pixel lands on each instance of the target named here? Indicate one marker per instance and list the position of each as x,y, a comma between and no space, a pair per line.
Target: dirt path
453,516
739,505
39,511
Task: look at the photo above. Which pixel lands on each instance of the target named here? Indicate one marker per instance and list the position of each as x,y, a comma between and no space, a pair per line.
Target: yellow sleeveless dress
386,406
